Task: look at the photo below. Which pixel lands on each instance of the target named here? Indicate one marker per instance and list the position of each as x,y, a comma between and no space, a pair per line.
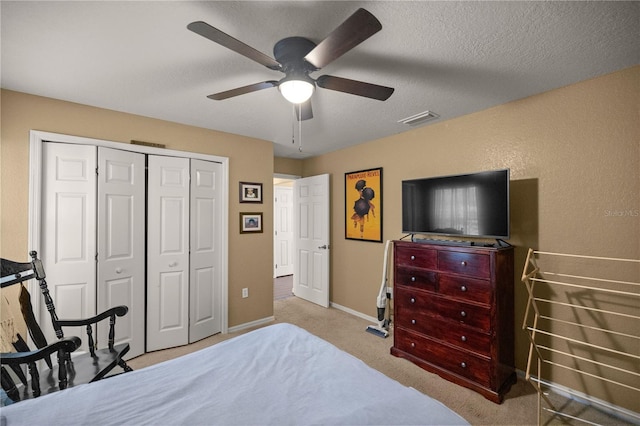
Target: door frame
36,140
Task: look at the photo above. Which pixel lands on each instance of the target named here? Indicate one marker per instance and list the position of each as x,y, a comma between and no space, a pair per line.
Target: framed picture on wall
363,205
250,192
250,223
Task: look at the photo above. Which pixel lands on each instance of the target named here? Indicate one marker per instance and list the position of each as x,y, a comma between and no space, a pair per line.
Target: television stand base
459,243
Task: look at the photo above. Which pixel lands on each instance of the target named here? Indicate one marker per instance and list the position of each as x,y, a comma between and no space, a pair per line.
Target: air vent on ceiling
420,118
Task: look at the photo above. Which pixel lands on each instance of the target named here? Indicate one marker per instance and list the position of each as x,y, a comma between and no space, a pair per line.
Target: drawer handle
463,263
413,279
463,314
413,257
463,288
463,364
413,345
463,338
413,321
412,300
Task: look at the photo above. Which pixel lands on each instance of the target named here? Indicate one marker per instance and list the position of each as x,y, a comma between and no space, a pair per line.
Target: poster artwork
363,203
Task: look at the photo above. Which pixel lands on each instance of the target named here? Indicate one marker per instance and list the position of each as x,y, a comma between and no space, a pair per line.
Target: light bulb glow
296,91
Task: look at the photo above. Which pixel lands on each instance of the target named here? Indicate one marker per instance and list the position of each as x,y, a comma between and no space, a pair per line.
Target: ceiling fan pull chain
293,123
300,127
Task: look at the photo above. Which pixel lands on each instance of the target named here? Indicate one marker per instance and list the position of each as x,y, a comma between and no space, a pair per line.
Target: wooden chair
70,369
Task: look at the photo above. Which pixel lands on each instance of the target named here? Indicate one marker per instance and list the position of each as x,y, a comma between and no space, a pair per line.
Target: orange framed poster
363,205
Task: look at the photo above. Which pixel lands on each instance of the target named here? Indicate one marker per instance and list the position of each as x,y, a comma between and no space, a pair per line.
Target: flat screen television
469,205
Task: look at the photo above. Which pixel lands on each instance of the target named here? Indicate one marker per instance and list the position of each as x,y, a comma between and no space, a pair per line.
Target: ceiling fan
297,57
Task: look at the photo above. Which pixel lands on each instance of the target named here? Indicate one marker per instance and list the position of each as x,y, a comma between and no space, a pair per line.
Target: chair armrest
67,344
117,310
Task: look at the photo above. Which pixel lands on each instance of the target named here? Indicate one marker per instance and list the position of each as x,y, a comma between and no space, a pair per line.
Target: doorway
283,239
307,224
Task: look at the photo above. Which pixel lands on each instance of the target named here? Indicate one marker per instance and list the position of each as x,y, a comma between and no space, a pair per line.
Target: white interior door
121,243
311,230
205,278
167,252
283,228
68,233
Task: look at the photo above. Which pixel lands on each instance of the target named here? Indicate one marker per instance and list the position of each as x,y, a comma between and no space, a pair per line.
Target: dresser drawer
465,313
419,278
464,337
465,288
415,256
473,264
408,301
418,321
461,362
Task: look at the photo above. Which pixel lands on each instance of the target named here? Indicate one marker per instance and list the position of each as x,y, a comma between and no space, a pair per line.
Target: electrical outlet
245,293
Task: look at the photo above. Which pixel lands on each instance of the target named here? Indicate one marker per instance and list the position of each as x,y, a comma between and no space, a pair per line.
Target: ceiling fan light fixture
297,89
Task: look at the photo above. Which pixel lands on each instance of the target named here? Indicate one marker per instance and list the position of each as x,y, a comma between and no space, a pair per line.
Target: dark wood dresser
453,313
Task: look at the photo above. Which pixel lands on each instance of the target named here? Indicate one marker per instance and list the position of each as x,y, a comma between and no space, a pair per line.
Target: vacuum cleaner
382,328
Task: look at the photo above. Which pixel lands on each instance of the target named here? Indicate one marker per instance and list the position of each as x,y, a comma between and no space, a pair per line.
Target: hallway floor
282,287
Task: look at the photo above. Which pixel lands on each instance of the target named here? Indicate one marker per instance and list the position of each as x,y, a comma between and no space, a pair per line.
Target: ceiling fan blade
356,29
354,87
242,90
304,112
223,39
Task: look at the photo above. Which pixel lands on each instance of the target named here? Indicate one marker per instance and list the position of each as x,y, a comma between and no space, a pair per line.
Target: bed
279,374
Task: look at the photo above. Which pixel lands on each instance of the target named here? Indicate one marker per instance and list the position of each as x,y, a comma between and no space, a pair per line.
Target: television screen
471,205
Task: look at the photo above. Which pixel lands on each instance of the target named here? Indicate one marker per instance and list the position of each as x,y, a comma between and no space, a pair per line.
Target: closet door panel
68,237
121,243
205,275
167,252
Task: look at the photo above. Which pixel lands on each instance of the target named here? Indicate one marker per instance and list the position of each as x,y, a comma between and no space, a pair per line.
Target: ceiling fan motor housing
290,52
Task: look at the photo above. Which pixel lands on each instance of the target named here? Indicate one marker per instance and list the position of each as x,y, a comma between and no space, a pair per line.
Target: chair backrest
13,273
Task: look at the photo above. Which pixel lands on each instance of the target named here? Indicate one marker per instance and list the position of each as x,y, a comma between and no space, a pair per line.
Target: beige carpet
348,333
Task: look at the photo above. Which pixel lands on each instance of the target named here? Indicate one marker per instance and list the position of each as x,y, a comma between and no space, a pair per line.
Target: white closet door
205,278
68,233
121,243
167,252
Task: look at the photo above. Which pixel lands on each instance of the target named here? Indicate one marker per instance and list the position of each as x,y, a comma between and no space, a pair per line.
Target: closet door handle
118,270
173,264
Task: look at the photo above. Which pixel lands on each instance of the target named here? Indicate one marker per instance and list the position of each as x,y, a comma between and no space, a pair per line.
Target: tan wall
287,166
574,155
22,113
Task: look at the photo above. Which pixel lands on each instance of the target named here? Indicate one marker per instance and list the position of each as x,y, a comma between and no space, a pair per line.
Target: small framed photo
250,192
250,223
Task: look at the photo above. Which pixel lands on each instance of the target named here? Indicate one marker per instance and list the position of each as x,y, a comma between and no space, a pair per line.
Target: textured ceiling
453,58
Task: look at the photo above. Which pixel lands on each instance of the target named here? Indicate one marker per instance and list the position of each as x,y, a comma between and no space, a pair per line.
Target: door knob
173,264
323,247
118,270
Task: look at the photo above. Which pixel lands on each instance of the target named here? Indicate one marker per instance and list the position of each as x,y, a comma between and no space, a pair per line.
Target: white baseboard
584,399
355,313
255,323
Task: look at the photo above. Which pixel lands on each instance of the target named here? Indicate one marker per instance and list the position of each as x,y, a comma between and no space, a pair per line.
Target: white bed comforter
278,375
